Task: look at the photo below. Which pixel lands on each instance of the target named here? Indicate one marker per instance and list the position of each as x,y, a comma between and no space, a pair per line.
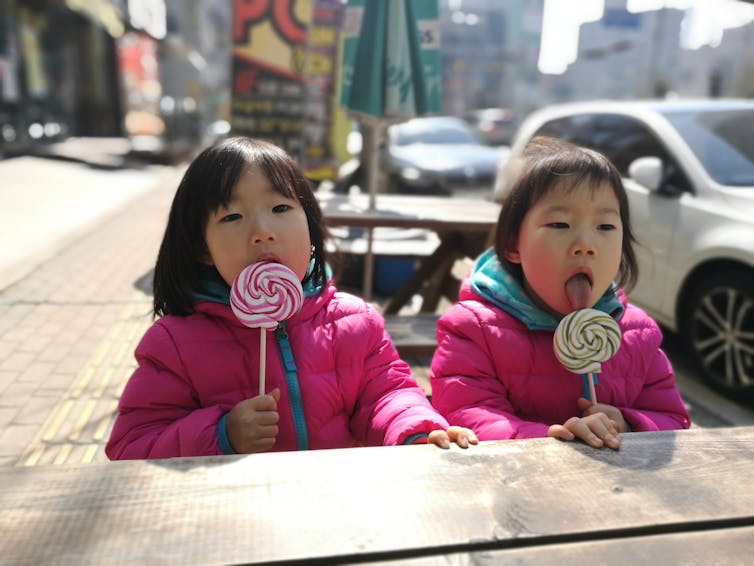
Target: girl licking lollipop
562,236
332,378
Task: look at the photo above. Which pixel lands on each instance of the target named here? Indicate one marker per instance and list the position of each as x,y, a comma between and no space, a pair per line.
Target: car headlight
411,174
417,177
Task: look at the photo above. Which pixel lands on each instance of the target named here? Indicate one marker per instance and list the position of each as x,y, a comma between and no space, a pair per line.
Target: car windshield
436,133
723,140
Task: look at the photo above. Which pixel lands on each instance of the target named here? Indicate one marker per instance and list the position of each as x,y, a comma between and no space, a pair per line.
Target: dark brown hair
546,163
208,184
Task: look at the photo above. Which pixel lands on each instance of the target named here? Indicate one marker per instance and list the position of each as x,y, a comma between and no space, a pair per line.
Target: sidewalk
68,326
47,203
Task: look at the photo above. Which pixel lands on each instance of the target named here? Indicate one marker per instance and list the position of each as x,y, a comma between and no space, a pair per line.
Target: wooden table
464,227
664,498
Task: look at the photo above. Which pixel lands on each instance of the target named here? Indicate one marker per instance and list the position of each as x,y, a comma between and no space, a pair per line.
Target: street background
75,300
102,104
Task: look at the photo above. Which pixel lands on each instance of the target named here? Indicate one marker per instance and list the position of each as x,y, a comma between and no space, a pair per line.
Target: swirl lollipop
262,295
584,339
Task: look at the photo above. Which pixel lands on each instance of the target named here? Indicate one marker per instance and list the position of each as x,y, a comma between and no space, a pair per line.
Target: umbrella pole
368,267
373,140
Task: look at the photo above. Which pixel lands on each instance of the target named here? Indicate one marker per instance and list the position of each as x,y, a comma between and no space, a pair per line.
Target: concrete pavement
48,203
76,240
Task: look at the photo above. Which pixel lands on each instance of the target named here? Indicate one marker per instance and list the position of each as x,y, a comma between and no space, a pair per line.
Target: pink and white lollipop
263,295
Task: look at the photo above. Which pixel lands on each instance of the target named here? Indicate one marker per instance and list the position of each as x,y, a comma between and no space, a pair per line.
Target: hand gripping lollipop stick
583,340
263,295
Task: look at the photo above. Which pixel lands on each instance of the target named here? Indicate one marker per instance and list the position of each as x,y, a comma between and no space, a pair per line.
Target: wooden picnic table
464,227
663,498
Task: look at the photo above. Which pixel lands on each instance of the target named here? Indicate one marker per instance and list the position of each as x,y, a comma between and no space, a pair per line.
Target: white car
688,168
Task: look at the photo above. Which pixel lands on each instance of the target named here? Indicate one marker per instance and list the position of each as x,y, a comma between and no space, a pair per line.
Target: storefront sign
320,129
269,39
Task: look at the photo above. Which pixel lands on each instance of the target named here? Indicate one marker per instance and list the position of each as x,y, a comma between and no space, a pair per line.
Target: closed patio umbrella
391,72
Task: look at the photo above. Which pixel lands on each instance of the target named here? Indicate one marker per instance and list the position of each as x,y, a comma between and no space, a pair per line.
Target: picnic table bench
463,228
412,335
673,497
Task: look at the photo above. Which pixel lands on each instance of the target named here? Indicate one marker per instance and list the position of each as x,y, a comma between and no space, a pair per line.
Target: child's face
565,234
258,224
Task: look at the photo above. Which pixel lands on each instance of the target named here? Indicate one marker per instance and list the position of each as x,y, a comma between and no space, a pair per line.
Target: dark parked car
494,126
439,155
434,155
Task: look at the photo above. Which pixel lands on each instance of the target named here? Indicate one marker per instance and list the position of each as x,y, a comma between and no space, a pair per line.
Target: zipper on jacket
294,391
585,393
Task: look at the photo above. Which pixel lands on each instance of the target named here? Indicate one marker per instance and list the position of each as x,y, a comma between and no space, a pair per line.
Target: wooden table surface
403,211
464,227
664,498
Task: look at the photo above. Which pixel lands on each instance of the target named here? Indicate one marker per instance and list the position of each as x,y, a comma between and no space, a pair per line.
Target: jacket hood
491,281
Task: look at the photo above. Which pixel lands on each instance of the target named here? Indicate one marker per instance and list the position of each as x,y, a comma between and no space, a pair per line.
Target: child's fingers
561,432
604,430
268,402
581,429
610,435
439,438
462,436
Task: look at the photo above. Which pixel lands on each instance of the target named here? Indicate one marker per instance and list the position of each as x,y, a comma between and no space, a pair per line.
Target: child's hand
596,430
613,413
252,425
458,434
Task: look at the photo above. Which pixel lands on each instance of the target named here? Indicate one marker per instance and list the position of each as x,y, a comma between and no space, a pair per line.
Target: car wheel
718,329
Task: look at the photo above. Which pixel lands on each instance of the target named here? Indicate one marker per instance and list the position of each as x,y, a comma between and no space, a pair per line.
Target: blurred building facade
490,52
196,69
639,55
143,69
57,71
162,70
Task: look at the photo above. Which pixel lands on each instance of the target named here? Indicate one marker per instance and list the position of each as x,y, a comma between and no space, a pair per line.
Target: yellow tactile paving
76,430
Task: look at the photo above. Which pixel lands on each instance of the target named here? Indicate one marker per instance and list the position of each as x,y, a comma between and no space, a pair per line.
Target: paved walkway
68,329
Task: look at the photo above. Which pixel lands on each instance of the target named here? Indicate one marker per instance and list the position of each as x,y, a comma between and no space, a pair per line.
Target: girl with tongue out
563,243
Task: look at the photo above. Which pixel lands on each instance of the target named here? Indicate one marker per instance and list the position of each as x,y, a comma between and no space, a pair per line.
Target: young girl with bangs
563,237
335,379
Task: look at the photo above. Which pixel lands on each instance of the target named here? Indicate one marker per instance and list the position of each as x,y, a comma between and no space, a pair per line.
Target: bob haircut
207,185
547,164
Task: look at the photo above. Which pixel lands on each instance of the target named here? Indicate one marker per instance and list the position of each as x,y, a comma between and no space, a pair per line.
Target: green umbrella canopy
391,59
391,72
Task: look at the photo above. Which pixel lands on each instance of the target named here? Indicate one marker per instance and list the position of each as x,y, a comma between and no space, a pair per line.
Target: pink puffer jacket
493,375
354,389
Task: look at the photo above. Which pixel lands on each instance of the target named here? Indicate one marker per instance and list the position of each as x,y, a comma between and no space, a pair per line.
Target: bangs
569,171
221,181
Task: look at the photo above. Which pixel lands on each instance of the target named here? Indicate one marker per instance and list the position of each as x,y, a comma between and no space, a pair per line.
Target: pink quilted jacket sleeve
658,405
391,407
465,387
159,416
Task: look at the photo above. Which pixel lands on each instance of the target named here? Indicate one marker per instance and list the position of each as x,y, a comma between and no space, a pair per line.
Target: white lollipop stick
262,358
262,295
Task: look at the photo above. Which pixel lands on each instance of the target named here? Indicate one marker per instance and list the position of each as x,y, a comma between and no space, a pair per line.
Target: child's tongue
578,290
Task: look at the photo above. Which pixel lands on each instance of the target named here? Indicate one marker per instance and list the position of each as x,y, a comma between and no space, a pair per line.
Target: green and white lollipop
583,340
